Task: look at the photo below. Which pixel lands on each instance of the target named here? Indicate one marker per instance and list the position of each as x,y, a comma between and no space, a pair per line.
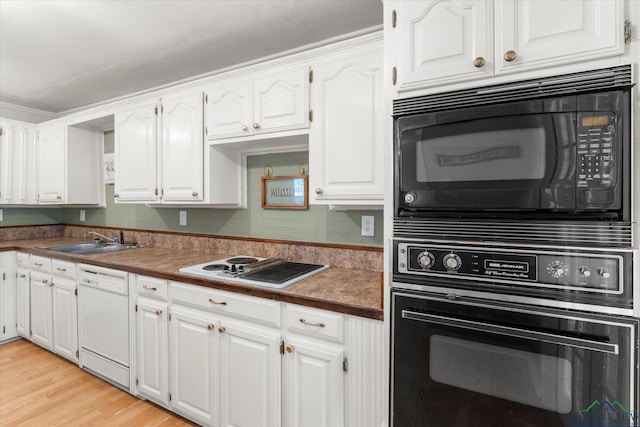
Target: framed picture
285,192
109,168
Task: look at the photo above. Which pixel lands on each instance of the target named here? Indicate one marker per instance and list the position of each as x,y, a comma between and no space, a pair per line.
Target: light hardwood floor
40,389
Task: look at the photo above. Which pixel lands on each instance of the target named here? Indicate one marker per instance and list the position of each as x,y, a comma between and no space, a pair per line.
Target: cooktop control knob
452,262
603,273
584,271
557,269
426,259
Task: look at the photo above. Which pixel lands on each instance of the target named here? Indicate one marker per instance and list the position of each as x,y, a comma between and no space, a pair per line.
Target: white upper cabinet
345,140
449,40
18,163
272,101
453,41
536,33
69,165
159,151
135,154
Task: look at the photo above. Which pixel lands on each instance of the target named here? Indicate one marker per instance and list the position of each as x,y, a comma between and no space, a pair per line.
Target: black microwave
544,148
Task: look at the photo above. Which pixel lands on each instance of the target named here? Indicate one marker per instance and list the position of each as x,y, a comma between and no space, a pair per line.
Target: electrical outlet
83,215
183,217
367,225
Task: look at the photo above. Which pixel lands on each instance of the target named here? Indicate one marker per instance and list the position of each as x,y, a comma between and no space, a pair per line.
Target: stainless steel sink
89,248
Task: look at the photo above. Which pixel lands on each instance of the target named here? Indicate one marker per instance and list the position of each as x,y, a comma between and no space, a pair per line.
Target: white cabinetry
345,140
17,162
54,306
451,41
23,284
273,101
69,165
152,349
7,295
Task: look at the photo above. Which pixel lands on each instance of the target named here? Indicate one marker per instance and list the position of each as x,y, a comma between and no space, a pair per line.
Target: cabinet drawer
22,260
263,310
151,287
314,322
63,269
39,263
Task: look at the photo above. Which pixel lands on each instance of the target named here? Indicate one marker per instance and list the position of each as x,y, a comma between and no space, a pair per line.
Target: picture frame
285,192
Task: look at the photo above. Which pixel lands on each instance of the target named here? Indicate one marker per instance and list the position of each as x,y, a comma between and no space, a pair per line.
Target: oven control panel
596,150
588,271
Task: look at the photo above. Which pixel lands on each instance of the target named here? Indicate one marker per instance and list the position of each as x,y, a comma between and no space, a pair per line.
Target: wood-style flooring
38,388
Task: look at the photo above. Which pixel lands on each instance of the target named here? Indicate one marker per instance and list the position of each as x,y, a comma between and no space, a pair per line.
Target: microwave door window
483,155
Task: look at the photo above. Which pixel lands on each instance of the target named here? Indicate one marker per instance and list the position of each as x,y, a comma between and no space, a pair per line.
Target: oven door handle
512,332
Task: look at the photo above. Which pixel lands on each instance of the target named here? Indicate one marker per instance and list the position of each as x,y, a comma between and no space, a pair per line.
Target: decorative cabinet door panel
250,364
41,305
153,350
543,32
65,318
182,148
281,102
12,168
52,155
314,385
345,144
449,41
29,165
135,154
194,357
23,301
229,110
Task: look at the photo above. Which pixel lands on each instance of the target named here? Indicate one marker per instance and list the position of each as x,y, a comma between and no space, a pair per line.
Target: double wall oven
513,300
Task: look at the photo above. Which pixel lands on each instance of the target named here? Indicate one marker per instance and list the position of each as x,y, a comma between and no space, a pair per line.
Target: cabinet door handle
158,312
115,196
256,126
61,269
216,302
510,55
210,327
51,285
45,281
221,330
194,194
244,128
37,264
304,322
394,75
289,349
479,62
59,197
148,288
22,276
318,190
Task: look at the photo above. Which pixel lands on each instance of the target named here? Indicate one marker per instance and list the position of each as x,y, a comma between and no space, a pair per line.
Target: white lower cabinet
194,357
23,279
7,296
152,350
41,309
65,317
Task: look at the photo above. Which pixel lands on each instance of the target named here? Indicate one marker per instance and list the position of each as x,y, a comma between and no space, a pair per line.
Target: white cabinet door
443,41
229,110
539,33
41,305
11,154
313,388
250,364
345,141
29,192
281,101
52,164
8,295
135,154
194,356
182,148
152,350
65,318
23,300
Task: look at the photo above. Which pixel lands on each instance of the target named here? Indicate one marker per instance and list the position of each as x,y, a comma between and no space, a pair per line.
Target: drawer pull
304,322
210,327
45,281
289,349
22,276
148,288
221,330
216,302
158,312
37,264
61,269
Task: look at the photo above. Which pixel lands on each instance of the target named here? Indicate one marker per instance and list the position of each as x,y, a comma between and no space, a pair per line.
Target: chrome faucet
114,237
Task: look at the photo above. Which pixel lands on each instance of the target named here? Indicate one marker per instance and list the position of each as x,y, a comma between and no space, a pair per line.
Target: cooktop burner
269,272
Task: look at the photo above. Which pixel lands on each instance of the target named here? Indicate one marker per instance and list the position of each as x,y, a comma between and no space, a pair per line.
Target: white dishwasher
103,323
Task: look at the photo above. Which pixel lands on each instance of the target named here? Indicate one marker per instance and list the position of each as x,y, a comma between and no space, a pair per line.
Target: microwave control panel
596,150
595,272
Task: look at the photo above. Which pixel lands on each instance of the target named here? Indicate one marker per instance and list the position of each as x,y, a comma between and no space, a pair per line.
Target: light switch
183,217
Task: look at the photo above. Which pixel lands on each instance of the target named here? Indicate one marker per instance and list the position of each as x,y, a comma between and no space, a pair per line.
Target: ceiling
57,56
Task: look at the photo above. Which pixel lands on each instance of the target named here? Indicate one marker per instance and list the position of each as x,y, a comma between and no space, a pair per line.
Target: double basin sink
89,248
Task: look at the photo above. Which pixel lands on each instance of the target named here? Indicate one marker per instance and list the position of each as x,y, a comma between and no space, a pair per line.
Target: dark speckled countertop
354,292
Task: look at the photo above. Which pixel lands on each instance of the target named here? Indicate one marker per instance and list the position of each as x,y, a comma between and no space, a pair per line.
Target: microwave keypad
595,156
